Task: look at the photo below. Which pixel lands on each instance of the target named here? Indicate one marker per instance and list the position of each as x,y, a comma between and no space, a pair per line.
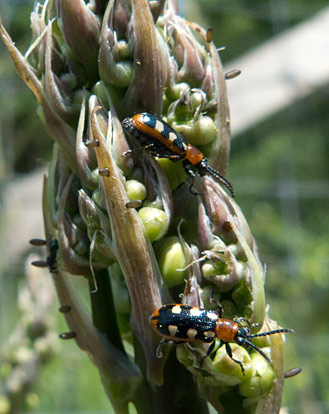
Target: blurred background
279,168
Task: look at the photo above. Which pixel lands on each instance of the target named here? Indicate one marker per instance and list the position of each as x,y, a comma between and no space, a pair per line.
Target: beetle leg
192,175
159,353
163,341
209,351
171,157
229,353
175,158
138,149
246,321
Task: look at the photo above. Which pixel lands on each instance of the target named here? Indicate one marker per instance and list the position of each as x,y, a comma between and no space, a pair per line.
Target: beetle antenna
221,179
258,350
248,342
272,332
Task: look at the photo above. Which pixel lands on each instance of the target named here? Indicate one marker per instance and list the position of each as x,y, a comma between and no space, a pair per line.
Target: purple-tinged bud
115,67
85,156
76,238
117,16
206,238
38,26
218,211
81,30
207,83
119,73
187,51
149,74
220,151
54,88
111,130
224,273
89,213
74,263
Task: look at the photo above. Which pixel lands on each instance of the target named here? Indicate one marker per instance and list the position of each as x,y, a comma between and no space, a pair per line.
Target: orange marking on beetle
155,318
193,155
227,330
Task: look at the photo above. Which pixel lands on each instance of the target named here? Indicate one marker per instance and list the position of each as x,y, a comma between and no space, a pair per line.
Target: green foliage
286,200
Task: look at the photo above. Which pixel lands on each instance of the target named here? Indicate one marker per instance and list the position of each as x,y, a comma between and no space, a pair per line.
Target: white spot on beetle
191,333
173,329
159,126
176,309
172,136
212,315
209,334
195,311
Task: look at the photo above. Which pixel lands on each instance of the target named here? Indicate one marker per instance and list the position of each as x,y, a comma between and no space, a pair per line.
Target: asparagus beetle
184,323
162,141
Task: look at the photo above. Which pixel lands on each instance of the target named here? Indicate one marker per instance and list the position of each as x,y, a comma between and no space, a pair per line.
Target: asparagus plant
129,224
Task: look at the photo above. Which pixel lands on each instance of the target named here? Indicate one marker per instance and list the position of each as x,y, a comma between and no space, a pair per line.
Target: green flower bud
261,382
116,73
201,132
155,204
123,49
223,275
100,91
175,172
198,98
209,270
174,92
98,198
171,259
135,190
227,366
155,222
